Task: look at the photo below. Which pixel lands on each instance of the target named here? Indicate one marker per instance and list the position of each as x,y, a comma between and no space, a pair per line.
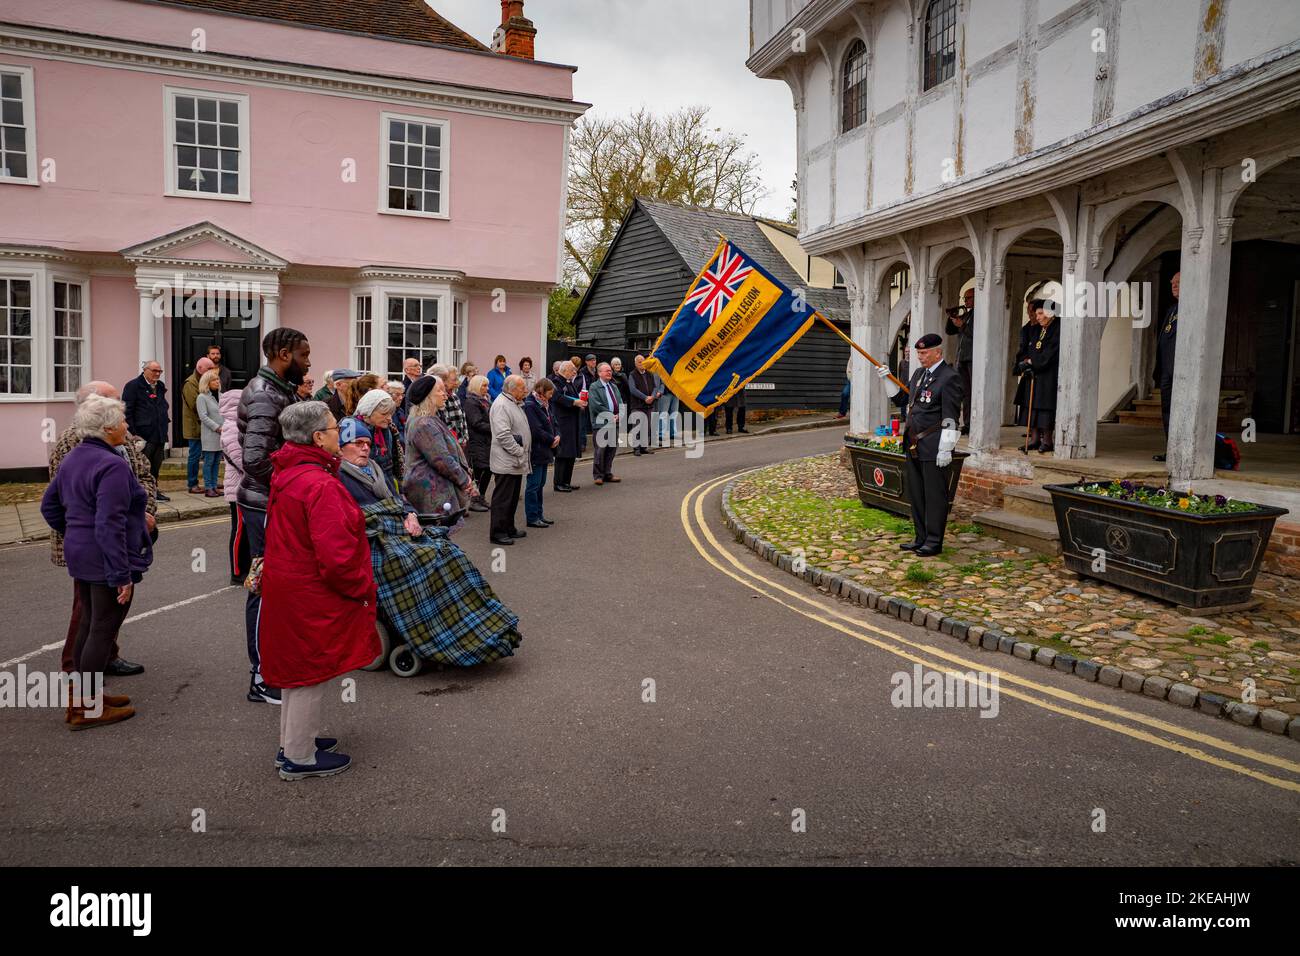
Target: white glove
947,442
891,389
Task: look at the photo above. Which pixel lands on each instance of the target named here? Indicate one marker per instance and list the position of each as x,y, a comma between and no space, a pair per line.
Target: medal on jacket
1041,335
1169,326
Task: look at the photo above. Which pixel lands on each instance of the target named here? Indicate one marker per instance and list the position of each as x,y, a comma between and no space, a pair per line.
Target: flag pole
863,352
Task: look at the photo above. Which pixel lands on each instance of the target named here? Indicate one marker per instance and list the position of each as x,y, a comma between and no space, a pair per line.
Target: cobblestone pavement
812,503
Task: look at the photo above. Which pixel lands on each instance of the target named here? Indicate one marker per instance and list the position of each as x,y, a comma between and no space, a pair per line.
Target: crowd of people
309,477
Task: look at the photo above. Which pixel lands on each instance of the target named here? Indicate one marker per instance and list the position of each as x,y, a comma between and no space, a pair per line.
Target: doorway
232,321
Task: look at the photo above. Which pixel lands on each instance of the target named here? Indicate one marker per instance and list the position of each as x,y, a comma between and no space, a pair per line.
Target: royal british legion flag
736,320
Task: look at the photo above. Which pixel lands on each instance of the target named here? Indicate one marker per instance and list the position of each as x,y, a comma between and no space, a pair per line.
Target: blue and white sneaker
327,744
326,765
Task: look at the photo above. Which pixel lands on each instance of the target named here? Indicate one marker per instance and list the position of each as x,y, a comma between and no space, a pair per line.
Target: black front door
232,322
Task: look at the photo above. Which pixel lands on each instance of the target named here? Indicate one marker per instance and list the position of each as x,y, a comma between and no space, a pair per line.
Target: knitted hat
371,400
353,429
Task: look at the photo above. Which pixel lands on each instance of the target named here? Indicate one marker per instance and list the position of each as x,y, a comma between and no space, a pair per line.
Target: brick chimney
515,35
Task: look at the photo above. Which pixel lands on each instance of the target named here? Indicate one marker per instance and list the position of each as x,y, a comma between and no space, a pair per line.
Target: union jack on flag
719,284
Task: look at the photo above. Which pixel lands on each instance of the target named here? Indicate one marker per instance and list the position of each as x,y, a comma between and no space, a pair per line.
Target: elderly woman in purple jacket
98,506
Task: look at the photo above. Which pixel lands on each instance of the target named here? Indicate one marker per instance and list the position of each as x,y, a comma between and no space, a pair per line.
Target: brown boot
78,719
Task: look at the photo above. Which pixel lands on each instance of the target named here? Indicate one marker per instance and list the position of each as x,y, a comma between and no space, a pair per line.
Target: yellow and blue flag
735,321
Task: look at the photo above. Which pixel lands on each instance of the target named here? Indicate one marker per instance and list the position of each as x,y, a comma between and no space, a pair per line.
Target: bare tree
675,157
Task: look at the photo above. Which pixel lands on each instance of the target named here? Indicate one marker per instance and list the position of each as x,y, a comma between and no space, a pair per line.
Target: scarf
367,477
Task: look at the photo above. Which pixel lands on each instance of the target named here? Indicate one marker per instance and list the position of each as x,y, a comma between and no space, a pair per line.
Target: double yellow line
1150,730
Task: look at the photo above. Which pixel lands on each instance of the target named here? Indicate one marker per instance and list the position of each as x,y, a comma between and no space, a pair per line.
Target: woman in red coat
318,590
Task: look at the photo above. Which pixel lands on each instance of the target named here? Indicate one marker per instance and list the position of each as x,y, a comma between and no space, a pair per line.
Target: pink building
179,173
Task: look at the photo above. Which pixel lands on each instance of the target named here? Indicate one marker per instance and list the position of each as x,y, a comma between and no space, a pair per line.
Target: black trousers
563,472
739,415
505,502
482,478
154,452
255,530
927,484
239,559
602,461
1166,395
101,619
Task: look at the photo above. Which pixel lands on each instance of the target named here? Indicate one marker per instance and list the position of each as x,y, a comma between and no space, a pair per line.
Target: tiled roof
693,232
395,19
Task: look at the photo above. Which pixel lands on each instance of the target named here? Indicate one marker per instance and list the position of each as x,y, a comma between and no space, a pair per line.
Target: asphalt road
769,698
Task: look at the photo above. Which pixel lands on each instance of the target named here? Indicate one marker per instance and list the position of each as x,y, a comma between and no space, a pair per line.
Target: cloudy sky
662,54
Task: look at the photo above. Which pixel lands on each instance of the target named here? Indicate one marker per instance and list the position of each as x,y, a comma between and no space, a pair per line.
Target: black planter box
1197,561
882,478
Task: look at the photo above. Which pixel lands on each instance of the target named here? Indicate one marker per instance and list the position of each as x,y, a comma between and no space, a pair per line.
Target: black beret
420,389
929,341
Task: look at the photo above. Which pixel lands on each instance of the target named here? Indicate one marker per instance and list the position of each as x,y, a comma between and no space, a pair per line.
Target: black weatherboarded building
658,251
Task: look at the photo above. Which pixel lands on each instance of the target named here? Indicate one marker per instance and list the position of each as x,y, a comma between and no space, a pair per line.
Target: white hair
96,415
301,420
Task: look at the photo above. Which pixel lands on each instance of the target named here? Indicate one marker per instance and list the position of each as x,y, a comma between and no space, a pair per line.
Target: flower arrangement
893,444
1166,498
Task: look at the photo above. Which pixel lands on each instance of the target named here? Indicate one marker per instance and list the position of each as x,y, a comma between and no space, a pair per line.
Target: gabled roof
394,19
694,233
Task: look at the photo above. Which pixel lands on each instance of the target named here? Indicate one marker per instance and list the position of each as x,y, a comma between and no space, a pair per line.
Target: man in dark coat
147,417
539,410
645,388
933,404
569,414
1166,349
223,373
1041,361
275,388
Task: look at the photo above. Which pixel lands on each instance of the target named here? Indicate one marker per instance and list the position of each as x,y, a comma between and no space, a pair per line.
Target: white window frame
354,344
81,281
460,305
169,139
42,276
380,292
28,82
444,195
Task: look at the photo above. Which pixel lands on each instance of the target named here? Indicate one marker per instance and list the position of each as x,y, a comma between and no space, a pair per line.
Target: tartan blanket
432,595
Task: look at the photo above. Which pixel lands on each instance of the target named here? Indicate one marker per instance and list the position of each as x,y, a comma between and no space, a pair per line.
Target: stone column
868,405
148,341
270,311
1202,317
1079,365
989,371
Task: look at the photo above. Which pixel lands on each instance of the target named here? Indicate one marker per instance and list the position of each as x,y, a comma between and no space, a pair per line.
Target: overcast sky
663,54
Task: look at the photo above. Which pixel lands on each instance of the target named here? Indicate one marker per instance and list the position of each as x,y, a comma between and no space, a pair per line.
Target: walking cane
1029,418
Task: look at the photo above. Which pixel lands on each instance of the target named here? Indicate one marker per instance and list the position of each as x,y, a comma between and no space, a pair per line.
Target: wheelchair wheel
404,662
385,648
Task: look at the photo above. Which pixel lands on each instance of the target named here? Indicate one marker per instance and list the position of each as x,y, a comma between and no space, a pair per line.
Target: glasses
332,428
